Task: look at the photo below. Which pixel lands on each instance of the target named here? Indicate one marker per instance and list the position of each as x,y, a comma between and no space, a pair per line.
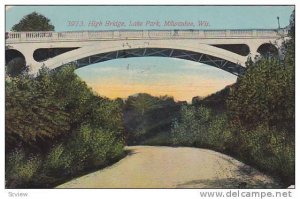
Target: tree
16,67
266,93
142,102
33,22
32,112
290,45
30,22
47,108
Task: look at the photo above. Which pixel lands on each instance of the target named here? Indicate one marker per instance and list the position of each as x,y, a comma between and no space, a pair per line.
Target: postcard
149,96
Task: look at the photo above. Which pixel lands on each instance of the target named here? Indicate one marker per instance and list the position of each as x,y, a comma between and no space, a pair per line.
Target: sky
181,79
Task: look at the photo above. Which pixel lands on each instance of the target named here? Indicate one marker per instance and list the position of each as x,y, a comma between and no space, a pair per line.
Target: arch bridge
224,49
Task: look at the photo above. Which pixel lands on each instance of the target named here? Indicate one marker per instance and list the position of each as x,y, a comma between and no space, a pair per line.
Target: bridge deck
20,37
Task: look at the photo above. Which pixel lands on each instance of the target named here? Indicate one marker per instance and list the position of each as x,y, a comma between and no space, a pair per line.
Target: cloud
8,7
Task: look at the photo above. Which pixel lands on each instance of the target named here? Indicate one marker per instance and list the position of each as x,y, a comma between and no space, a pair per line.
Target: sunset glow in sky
157,76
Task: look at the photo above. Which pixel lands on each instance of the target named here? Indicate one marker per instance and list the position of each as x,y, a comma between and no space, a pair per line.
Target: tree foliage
33,22
16,67
261,111
32,113
146,116
53,105
266,93
190,128
56,127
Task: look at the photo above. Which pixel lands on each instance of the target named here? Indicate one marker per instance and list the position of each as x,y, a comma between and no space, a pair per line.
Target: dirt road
174,167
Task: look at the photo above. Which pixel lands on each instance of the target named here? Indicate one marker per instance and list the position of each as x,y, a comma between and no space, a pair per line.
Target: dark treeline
146,116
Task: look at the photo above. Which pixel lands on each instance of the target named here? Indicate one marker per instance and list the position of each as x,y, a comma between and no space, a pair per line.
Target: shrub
146,116
93,147
191,127
271,150
264,147
218,133
21,170
57,107
265,94
58,161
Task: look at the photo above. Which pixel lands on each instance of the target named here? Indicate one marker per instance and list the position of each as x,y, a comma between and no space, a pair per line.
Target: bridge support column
279,45
34,66
253,51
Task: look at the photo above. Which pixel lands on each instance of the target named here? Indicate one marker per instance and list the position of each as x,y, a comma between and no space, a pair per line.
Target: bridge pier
253,50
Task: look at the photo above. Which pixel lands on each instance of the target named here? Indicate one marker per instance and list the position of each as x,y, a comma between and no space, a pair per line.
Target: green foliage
33,22
142,102
20,169
186,130
261,111
54,104
215,101
289,46
86,149
58,127
265,94
94,147
146,116
218,133
57,161
31,113
197,126
292,26
267,148
108,115
16,66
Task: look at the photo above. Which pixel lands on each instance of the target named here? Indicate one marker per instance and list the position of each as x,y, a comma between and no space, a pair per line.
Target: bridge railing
13,37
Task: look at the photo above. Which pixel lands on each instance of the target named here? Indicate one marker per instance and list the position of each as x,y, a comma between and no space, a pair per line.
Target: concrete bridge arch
188,50
213,47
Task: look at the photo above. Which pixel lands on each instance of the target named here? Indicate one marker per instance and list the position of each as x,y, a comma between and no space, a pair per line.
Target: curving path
174,167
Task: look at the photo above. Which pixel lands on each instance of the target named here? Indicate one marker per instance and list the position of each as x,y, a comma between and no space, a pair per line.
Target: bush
146,116
218,133
261,111
45,109
60,128
191,127
270,150
198,126
266,148
87,149
20,170
58,161
97,146
265,94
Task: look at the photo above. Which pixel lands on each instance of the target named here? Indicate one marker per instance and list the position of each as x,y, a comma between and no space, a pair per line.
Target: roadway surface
174,167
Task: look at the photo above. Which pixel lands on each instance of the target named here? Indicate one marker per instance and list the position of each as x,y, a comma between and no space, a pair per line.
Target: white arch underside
110,46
